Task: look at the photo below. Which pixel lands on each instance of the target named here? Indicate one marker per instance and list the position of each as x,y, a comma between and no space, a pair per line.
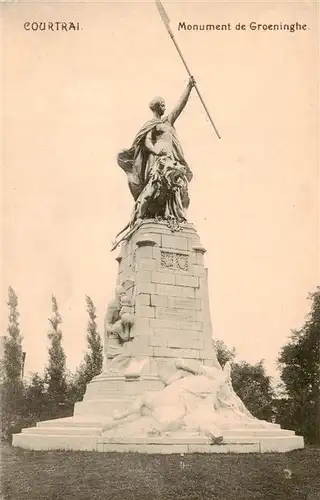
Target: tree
11,376
299,362
93,358
223,352
91,366
36,400
56,369
13,342
250,382
254,387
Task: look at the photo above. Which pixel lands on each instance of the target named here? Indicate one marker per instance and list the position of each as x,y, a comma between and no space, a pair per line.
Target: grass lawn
35,475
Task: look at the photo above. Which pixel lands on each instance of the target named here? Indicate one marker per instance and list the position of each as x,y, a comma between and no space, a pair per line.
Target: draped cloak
134,161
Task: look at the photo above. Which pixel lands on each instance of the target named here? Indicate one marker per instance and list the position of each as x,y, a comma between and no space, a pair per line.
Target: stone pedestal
164,276
170,293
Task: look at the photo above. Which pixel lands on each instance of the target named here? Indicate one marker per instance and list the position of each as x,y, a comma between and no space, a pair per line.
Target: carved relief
172,260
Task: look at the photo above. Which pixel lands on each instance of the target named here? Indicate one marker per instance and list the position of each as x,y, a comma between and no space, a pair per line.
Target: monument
162,389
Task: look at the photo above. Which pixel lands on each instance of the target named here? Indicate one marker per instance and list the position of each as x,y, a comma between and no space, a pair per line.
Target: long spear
166,22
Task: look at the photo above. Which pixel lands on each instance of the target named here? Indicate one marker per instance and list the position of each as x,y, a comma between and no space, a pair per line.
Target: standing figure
117,325
158,174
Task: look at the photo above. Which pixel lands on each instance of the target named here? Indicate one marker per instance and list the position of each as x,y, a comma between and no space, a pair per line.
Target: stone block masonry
169,291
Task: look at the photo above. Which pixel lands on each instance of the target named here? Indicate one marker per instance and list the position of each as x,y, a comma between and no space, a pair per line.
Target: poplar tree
56,369
13,342
94,357
91,366
12,401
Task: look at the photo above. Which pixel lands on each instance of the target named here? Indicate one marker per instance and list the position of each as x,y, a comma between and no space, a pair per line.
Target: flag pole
166,22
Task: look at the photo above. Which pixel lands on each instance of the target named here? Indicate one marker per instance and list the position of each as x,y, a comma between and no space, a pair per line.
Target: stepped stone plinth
162,389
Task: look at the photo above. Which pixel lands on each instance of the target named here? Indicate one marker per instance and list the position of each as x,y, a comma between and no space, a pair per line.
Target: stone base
166,282
107,393
83,434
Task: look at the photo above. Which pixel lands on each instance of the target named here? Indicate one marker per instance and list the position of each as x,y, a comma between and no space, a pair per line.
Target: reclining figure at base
196,399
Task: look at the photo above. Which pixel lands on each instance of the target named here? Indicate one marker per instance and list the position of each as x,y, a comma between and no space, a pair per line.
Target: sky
73,100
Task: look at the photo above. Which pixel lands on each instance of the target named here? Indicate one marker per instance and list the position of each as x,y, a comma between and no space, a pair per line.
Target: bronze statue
157,172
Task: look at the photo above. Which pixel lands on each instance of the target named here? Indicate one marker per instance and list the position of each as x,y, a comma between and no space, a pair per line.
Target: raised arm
183,101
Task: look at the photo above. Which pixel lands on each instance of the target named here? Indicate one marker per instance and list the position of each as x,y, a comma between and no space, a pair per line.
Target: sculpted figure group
196,399
157,171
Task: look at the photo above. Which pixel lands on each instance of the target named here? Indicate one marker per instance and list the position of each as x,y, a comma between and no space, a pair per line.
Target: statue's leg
112,349
134,409
185,199
181,198
178,208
